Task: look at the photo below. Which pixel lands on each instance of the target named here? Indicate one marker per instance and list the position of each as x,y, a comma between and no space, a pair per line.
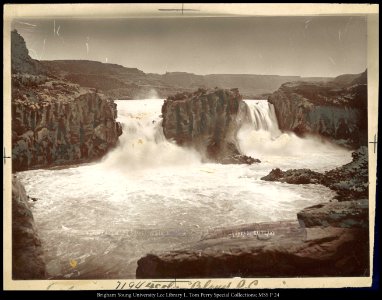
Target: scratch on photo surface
50,285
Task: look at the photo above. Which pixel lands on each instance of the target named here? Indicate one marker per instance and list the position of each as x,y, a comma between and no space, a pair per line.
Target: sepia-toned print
190,147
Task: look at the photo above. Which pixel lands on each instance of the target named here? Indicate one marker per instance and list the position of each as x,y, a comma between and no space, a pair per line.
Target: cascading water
149,194
263,117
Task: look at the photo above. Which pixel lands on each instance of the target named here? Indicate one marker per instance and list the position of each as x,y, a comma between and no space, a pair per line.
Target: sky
301,46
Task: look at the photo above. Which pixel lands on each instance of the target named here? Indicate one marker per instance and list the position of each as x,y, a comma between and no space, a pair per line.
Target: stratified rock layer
336,109
207,121
27,254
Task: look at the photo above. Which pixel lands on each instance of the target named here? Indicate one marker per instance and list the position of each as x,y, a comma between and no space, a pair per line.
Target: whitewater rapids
148,194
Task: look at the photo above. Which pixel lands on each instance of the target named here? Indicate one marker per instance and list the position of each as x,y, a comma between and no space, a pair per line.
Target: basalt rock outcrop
295,176
279,249
207,120
53,121
336,109
350,181
27,255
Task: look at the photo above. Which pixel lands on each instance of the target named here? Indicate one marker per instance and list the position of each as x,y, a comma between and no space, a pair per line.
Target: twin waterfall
150,195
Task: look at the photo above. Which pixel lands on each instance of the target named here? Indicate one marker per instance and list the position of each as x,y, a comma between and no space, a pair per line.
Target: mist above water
142,144
263,139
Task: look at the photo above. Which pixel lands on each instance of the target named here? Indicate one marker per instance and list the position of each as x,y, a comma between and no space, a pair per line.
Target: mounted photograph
174,143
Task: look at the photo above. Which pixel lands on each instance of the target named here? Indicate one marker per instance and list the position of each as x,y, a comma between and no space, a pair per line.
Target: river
96,220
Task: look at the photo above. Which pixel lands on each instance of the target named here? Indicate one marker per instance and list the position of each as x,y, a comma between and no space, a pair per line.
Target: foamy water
149,195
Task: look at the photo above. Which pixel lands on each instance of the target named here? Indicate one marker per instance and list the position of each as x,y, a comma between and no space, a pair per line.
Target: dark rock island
207,120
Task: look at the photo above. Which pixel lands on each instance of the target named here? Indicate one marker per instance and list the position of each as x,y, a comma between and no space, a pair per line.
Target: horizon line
205,74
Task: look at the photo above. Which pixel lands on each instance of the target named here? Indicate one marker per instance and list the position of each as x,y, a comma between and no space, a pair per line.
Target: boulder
347,214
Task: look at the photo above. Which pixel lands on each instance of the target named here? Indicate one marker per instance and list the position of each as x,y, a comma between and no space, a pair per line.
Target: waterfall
98,213
263,137
263,116
143,144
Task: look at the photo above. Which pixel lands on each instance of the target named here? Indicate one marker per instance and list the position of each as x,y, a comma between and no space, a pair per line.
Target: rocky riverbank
350,181
28,260
329,239
279,249
336,110
207,120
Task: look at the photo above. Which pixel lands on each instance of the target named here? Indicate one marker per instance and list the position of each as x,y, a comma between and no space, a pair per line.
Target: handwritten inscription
193,284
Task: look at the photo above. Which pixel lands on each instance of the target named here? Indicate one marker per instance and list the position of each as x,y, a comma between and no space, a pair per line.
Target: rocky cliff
53,121
207,120
27,255
336,109
21,62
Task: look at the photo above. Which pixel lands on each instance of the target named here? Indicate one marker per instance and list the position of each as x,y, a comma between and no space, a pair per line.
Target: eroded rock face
290,251
336,110
207,120
53,121
60,123
27,261
350,181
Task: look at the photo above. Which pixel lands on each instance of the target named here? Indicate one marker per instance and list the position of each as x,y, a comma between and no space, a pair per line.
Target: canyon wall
56,122
336,109
207,120
121,82
27,255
